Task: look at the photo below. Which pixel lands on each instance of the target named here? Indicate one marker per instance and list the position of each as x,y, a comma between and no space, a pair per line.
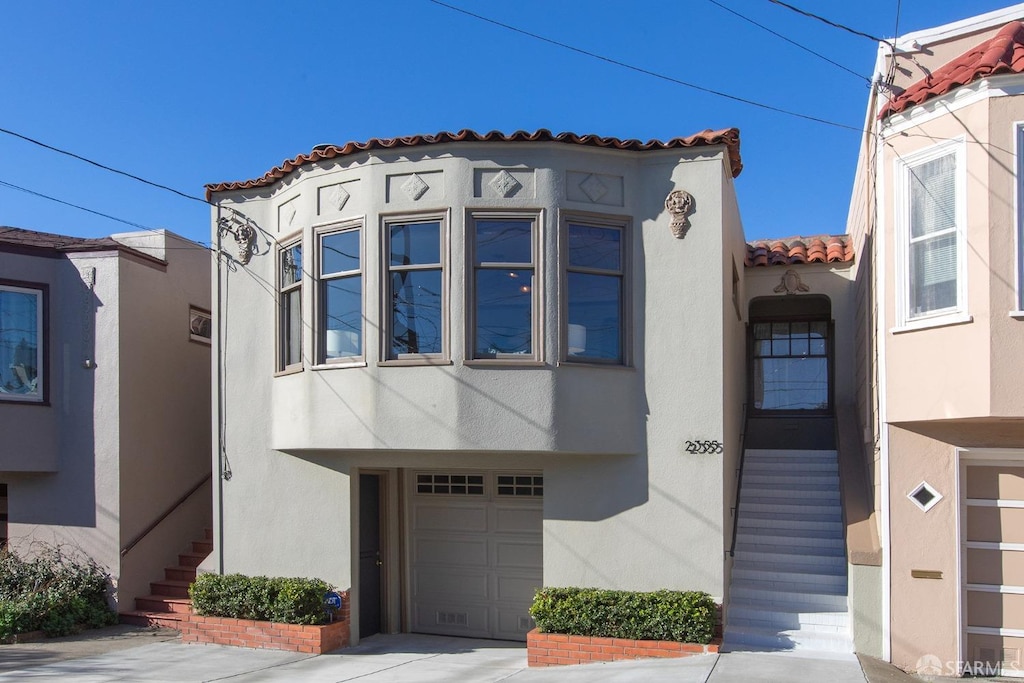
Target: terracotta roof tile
730,137
792,250
1001,54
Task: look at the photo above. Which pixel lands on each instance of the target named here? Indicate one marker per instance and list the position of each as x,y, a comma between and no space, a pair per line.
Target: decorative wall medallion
679,204
593,187
337,197
414,187
504,184
790,283
244,233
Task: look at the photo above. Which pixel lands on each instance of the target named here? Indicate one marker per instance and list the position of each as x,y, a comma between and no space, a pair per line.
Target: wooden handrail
165,515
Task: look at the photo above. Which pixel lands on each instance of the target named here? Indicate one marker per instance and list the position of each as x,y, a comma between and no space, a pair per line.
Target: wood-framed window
415,301
503,293
23,366
340,280
290,306
595,313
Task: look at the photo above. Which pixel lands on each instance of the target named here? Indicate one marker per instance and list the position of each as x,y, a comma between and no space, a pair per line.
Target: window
415,300
200,325
22,365
791,368
931,202
504,298
290,298
341,296
594,318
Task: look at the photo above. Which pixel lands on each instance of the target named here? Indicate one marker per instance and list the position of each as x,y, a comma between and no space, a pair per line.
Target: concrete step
152,619
784,620
827,510
791,468
180,573
784,576
748,537
790,454
758,522
782,552
738,638
191,559
819,598
795,492
163,603
170,587
787,479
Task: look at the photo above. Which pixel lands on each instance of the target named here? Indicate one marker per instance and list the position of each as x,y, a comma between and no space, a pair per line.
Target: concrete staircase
169,601
789,587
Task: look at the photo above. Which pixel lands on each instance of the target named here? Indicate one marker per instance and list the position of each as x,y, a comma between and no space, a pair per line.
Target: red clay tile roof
1003,53
730,137
792,250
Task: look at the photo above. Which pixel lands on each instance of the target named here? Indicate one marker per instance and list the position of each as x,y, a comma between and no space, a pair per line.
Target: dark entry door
370,564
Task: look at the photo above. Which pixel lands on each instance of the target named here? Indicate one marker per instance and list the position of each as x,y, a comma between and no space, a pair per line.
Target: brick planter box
552,649
268,635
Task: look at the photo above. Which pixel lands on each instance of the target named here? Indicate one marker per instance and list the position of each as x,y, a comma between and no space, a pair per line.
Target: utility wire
76,206
644,71
833,24
791,42
103,166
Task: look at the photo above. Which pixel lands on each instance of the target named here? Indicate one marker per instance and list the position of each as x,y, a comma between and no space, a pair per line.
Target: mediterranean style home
104,398
935,216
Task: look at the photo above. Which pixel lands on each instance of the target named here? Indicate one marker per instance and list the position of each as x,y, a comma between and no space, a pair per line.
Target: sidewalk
129,653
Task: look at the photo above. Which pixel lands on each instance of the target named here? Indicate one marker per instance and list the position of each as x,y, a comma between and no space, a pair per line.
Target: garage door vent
520,485
451,618
451,484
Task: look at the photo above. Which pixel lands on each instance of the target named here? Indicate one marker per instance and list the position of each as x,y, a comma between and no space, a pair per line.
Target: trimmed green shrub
686,617
283,600
57,592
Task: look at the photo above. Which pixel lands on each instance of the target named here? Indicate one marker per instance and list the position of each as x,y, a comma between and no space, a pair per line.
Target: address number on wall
704,447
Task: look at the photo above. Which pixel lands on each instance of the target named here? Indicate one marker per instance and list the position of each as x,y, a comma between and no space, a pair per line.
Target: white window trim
39,291
625,224
1018,207
386,221
903,166
280,366
536,217
320,329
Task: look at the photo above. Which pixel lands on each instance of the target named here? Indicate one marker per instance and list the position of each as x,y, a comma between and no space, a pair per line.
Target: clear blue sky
187,93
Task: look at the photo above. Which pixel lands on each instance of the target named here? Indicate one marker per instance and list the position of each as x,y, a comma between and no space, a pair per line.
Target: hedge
59,592
687,617
260,598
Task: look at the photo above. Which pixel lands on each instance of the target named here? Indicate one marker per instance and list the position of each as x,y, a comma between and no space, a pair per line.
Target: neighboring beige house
462,366
936,217
104,398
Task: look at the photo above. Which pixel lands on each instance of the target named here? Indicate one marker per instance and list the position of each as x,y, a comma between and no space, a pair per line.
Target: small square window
924,496
200,325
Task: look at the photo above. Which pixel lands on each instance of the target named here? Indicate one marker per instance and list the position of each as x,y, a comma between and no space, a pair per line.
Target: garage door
475,552
994,576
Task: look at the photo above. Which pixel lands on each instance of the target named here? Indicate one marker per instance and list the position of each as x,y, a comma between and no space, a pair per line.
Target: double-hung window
290,302
416,294
594,319
932,234
341,295
22,366
504,300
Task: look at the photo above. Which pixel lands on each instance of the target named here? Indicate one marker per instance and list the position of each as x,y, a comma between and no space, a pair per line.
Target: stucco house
936,214
458,367
104,398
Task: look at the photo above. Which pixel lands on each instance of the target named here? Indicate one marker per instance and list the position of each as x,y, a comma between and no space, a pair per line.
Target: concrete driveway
395,658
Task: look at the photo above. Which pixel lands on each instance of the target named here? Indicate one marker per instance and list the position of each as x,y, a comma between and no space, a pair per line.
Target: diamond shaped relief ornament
338,197
593,187
504,184
414,187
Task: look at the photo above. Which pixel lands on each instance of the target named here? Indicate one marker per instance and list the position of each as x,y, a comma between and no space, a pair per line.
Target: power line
833,23
791,42
76,206
644,71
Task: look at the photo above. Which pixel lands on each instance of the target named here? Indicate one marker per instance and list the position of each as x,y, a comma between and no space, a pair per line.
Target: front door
370,564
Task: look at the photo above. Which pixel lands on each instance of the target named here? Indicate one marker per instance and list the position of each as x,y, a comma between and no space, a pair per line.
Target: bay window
415,296
341,295
290,306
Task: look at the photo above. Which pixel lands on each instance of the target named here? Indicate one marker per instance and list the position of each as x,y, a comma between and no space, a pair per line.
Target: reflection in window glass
415,289
791,369
504,288
594,293
342,291
20,343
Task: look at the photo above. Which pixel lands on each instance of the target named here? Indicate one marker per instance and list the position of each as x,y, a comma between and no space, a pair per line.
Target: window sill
503,362
937,321
1019,315
407,362
585,364
339,365
293,370
24,401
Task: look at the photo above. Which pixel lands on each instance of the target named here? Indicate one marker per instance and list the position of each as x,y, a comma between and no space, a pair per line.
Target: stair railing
167,513
739,482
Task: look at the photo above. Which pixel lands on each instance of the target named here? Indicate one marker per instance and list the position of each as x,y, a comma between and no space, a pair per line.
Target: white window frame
904,168
320,233
386,221
535,217
1018,212
625,226
281,364
39,291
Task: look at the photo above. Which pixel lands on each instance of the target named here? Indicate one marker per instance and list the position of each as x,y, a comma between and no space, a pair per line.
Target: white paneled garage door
475,552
